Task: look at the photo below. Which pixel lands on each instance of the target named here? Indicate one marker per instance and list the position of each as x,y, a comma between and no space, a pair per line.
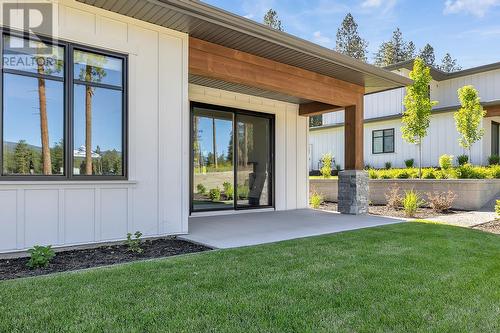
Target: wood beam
317,108
492,111
353,136
219,62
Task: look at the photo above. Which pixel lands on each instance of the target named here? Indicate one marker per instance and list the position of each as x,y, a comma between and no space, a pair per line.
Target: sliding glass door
231,158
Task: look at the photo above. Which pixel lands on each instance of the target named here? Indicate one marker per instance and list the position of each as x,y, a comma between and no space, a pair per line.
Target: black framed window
63,111
383,141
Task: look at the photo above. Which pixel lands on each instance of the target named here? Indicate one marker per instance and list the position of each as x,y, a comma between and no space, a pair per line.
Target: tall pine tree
348,40
448,64
272,20
395,50
427,55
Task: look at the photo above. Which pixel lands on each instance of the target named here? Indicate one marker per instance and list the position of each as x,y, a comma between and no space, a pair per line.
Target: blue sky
468,29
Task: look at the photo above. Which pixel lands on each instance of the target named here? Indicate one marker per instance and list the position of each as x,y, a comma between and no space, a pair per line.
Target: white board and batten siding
155,198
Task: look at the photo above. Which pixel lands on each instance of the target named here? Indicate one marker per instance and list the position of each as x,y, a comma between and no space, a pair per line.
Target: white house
174,108
382,130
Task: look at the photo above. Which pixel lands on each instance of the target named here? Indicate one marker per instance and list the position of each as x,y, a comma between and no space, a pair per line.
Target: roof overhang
217,26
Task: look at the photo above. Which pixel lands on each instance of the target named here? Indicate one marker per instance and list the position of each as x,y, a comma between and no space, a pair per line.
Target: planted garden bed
100,256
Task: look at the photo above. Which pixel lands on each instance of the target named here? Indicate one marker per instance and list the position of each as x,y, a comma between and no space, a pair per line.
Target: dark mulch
493,227
100,256
422,213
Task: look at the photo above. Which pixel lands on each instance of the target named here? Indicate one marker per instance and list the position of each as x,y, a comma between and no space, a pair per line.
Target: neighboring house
141,113
382,136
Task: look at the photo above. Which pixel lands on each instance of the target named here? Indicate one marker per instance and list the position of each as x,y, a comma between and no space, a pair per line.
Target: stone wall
472,194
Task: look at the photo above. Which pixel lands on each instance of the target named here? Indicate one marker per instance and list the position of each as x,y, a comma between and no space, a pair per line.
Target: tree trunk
420,158
88,123
470,154
44,124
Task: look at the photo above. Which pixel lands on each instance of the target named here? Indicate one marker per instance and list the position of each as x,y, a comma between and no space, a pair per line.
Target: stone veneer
353,192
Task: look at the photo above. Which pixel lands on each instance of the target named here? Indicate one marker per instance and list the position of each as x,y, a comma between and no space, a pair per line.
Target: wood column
353,136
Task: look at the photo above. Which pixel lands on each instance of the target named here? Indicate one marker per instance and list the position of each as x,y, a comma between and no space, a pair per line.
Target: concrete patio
254,228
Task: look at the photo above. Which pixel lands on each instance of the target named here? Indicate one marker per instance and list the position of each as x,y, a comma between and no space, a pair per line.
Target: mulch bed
422,213
493,227
100,256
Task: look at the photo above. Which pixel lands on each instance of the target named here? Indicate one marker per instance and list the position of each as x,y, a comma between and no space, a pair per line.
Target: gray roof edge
247,26
439,75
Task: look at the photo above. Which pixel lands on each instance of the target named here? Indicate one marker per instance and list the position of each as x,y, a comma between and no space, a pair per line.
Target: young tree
395,50
448,64
469,118
427,55
23,158
348,40
271,19
418,106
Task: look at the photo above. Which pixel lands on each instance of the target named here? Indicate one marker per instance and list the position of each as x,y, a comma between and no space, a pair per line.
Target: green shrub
385,175
228,190
40,256
214,194
243,191
388,165
372,174
326,169
410,163
201,189
429,173
445,161
411,202
494,159
134,244
468,171
403,174
495,171
368,167
462,159
316,200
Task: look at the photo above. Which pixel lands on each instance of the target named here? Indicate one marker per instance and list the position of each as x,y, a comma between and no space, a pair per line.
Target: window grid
386,136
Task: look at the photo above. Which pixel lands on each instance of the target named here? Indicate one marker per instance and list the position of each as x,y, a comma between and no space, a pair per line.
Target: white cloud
475,7
371,3
385,5
319,38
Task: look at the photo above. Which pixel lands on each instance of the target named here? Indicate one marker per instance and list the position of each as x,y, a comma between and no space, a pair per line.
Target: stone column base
353,192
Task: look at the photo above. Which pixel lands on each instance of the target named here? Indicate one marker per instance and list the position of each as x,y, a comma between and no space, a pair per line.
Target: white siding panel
79,216
8,219
114,214
41,215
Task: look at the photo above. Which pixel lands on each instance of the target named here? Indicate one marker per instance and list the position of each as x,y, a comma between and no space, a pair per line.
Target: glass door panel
213,169
254,168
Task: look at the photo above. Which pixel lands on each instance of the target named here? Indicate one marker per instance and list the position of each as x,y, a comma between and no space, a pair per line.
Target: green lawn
405,277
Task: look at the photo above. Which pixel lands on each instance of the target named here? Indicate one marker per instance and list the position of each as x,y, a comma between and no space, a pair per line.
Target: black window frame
384,137
235,112
68,108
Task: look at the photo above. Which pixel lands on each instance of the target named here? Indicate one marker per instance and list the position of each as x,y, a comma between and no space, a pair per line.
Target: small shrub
228,190
411,203
201,189
368,166
388,165
243,191
214,194
385,175
497,207
316,200
326,169
445,162
429,173
393,198
403,174
372,174
462,159
134,244
494,159
40,256
468,171
410,163
338,168
495,171
441,202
